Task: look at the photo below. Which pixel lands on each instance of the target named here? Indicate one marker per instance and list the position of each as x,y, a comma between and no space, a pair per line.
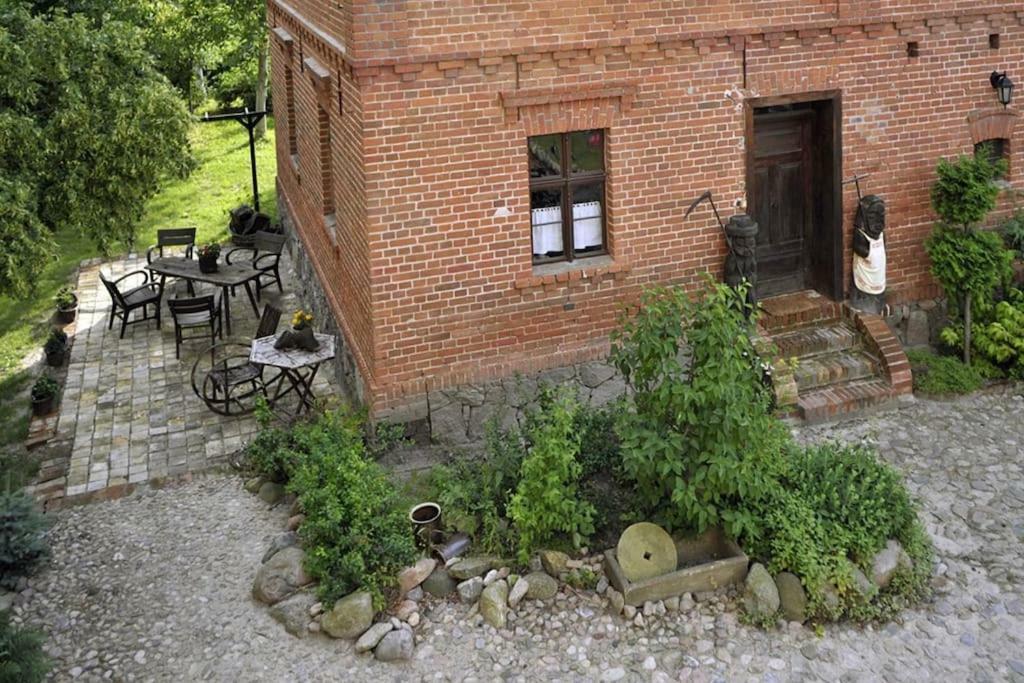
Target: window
996,149
567,195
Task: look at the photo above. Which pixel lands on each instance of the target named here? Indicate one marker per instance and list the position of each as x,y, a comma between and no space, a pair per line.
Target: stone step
798,309
828,402
807,341
833,367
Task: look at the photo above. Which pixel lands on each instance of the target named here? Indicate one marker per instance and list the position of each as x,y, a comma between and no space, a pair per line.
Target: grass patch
937,375
220,182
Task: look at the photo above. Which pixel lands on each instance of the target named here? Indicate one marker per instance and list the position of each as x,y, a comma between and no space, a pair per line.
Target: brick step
828,402
807,341
799,309
813,372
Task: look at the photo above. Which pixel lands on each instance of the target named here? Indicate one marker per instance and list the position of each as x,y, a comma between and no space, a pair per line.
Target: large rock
373,636
760,596
410,577
395,646
439,584
270,492
469,567
280,542
865,588
541,586
888,560
494,604
350,617
553,561
470,589
518,592
293,613
792,597
280,576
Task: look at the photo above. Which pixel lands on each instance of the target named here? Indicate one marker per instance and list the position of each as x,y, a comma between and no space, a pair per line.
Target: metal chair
122,303
201,314
174,237
265,256
231,381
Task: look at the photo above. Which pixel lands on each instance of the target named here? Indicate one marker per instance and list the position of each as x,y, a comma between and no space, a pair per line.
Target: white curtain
547,227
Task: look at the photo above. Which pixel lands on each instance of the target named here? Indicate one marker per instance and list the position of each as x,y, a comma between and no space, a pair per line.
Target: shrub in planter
56,348
208,255
22,659
44,395
66,303
22,536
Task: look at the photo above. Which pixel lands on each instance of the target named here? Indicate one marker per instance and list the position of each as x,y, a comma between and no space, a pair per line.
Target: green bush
965,190
23,541
698,438
21,653
545,504
833,509
600,450
997,334
943,375
1013,233
474,492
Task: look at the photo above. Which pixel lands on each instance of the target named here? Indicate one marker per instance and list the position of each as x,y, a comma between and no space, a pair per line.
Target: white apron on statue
869,273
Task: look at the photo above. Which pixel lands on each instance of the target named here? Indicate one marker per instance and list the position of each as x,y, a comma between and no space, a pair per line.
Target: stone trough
706,563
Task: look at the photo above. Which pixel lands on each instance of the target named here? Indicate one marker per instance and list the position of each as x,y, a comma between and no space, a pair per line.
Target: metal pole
252,164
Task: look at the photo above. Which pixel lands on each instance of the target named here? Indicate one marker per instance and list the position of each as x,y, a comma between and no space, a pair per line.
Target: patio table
226,276
298,367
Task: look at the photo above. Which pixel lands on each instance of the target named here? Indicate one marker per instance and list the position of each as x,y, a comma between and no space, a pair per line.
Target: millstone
646,550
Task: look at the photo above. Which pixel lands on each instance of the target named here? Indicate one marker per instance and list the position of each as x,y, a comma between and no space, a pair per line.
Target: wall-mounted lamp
1003,86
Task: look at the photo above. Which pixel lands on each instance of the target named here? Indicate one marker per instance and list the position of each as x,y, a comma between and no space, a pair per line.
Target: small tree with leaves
967,262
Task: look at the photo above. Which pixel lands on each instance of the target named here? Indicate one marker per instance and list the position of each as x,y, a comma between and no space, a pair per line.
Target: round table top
264,353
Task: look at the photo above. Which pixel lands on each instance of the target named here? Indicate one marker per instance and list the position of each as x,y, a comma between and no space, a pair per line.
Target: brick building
477,186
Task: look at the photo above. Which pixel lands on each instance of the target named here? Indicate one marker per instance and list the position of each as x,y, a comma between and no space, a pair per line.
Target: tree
88,127
966,262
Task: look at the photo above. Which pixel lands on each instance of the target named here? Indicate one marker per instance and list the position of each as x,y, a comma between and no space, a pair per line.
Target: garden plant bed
707,562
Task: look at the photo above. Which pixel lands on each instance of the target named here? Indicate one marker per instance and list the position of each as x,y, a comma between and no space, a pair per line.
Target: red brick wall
438,288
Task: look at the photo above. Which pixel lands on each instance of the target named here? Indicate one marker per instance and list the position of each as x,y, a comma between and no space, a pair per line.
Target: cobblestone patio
156,587
128,413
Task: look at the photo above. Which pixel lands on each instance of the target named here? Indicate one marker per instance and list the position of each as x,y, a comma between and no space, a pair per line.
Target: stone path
128,413
156,587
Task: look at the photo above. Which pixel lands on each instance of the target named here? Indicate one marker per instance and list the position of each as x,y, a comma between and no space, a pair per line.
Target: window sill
566,272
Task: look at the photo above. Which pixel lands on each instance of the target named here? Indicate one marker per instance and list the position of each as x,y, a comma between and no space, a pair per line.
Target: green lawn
220,182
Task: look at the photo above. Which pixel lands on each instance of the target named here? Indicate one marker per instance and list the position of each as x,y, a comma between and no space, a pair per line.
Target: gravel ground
156,587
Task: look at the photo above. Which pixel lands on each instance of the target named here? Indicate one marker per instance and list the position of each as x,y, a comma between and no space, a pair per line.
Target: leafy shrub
965,190
270,453
600,451
56,342
21,653
22,536
697,434
997,333
44,388
545,503
1013,233
940,375
65,298
832,510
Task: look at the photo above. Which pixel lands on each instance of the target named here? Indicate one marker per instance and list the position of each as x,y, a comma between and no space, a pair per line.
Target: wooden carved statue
741,262
869,255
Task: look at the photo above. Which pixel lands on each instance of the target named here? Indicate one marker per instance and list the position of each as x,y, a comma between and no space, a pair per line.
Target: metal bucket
426,520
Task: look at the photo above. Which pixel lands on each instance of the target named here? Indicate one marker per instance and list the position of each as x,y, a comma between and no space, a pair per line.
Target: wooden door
782,200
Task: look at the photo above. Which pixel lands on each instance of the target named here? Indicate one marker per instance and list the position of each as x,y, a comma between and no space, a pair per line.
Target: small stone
602,585
293,613
616,674
810,651
469,567
650,663
416,594
280,576
295,521
628,611
554,562
316,608
672,604
518,592
253,485
76,672
372,637
470,589
439,583
494,604
649,609
413,576
406,608
760,597
968,639
616,600
350,617
490,577
865,588
638,620
395,646
792,597
280,542
887,561
541,586
270,492
414,619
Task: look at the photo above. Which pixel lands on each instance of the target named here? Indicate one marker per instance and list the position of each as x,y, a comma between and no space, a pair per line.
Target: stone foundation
343,369
919,323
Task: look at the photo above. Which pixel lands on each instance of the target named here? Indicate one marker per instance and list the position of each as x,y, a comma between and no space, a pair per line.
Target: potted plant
56,348
44,395
208,255
300,336
67,304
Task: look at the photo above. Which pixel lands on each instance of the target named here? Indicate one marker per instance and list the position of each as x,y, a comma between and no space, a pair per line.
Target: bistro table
298,367
226,277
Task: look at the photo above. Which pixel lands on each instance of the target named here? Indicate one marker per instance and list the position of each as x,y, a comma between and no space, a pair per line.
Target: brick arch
992,125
